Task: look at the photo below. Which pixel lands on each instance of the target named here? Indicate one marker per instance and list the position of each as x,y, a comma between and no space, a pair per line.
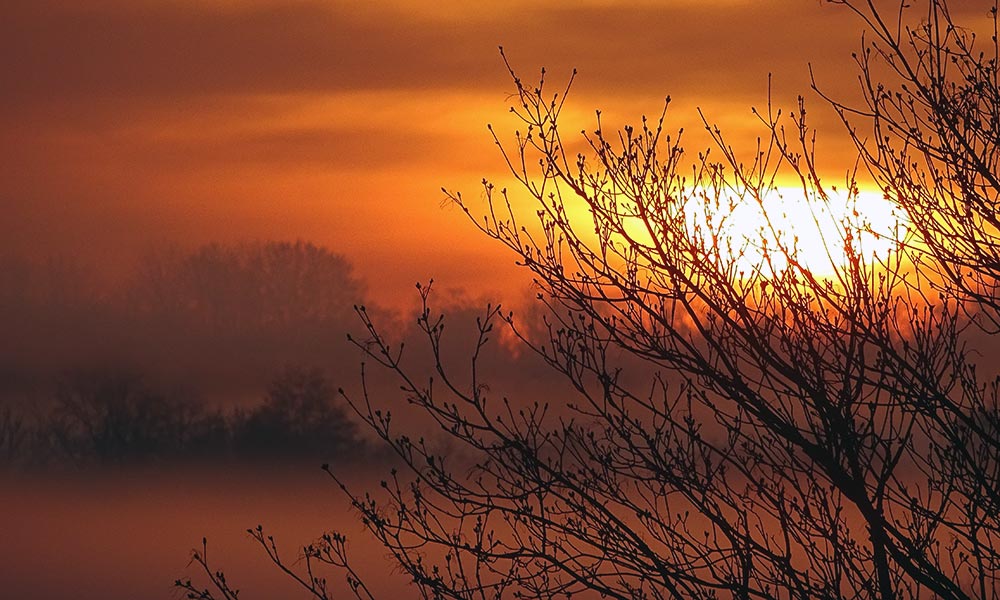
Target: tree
114,416
300,416
14,436
741,429
932,108
226,314
248,286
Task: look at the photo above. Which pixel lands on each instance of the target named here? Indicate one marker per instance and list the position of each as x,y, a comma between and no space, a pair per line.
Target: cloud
169,50
59,50
130,124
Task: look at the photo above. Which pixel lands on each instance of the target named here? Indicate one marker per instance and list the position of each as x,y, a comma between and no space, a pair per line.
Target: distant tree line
216,313
117,417
137,369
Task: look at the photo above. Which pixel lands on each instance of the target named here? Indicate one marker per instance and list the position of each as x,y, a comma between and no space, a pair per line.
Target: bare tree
741,428
15,436
928,132
114,416
248,286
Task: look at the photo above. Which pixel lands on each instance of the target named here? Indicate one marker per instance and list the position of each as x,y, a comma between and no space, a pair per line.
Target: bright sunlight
762,236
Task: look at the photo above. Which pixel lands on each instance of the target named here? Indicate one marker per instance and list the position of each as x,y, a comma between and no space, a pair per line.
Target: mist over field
196,396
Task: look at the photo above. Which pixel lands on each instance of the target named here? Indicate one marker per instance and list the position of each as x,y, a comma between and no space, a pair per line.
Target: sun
785,227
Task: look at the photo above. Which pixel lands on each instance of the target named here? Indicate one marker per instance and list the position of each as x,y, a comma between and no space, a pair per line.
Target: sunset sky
128,126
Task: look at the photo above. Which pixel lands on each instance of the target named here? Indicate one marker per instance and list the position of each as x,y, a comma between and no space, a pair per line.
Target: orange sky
127,125
130,125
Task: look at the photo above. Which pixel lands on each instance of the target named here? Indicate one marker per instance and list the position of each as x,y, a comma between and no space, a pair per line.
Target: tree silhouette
741,429
114,416
300,416
928,132
249,286
15,436
231,312
216,318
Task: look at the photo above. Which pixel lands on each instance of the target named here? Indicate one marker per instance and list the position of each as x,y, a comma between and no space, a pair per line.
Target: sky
132,129
130,126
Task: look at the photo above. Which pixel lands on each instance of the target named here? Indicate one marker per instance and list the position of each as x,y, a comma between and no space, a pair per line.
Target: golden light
750,235
784,226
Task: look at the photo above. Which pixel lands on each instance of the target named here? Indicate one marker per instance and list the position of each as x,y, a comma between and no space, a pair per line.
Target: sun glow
784,227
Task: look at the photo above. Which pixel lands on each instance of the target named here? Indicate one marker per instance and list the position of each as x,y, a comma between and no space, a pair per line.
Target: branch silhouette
737,429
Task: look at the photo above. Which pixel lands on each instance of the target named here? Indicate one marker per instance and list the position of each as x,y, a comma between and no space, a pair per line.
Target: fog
198,396
220,319
128,534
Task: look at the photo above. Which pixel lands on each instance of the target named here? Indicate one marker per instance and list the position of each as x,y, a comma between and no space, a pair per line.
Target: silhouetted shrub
300,416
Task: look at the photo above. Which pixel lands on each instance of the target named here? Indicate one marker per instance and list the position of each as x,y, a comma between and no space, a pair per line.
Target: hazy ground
128,534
